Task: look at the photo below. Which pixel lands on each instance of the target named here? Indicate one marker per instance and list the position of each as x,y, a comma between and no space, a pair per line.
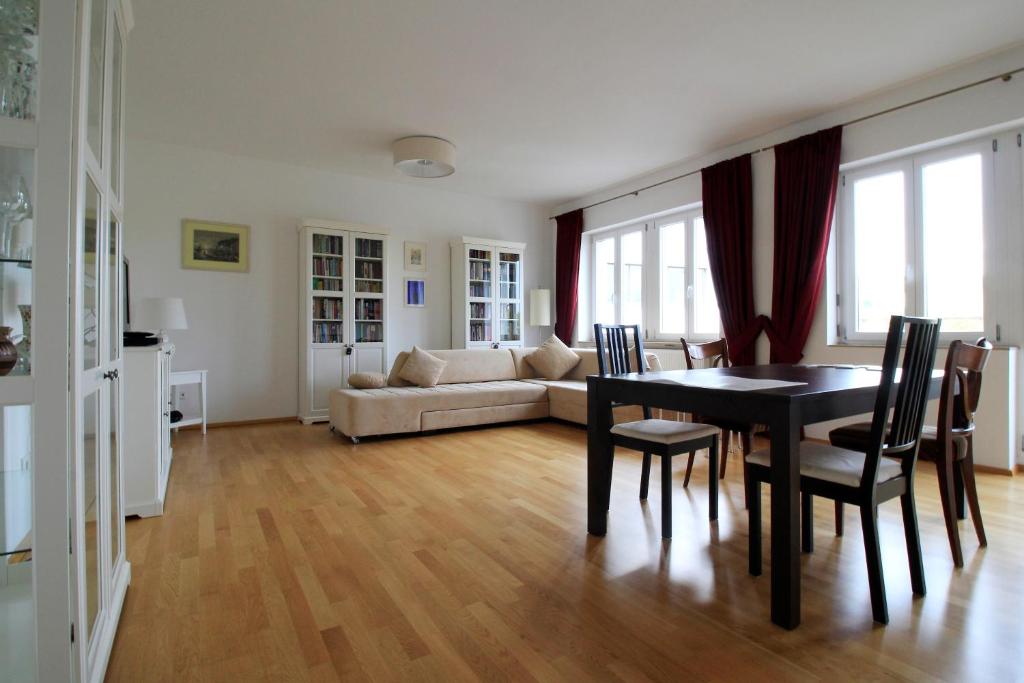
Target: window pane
951,210
97,45
632,278
90,271
705,304
672,252
115,114
604,279
879,234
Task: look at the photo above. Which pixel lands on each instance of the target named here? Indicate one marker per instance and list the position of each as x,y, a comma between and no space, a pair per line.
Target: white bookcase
147,428
343,302
487,293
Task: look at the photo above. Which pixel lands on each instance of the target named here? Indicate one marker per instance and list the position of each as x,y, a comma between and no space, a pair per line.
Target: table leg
202,400
785,516
599,459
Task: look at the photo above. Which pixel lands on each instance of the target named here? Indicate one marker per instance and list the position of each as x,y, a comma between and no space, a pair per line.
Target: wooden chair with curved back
949,444
715,354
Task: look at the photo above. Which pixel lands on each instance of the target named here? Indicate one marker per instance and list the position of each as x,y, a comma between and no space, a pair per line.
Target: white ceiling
545,100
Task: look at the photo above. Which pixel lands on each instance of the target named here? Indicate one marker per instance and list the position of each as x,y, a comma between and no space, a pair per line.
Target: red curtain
729,222
806,179
567,272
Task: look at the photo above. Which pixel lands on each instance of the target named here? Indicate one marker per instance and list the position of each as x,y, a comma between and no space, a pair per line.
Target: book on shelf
328,332
328,285
328,244
369,331
328,308
328,266
369,309
369,248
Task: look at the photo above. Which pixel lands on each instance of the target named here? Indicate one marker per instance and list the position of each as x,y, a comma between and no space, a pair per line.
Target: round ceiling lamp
424,156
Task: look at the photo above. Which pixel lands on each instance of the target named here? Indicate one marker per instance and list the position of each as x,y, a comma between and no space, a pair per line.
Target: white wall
243,328
995,105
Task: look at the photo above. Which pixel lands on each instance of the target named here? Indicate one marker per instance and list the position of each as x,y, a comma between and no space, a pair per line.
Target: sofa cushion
394,380
553,359
464,365
422,368
393,410
367,380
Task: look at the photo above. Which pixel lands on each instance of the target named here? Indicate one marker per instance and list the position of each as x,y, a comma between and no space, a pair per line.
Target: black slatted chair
664,438
883,471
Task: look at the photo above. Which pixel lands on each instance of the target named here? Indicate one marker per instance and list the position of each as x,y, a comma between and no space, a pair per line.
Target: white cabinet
487,293
147,428
343,309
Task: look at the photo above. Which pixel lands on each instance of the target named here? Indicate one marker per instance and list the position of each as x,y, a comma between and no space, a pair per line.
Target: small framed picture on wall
415,292
415,256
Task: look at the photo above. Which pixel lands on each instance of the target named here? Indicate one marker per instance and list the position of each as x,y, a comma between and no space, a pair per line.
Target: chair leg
724,451
645,476
746,445
712,481
666,496
971,487
807,522
753,488
873,553
958,490
913,536
839,518
944,467
689,468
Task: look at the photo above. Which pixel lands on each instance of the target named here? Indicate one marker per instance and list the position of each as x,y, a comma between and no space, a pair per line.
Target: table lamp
540,307
162,314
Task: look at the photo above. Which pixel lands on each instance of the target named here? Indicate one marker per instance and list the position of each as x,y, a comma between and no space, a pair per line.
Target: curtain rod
1006,76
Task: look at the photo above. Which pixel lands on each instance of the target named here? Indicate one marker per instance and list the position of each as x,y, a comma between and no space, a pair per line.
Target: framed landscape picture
415,292
415,256
214,246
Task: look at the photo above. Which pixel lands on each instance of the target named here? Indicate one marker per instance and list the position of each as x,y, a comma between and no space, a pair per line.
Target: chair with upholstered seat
715,354
880,472
949,444
664,438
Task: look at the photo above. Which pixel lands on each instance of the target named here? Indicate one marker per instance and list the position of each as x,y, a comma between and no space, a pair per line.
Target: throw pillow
394,380
366,380
421,368
553,359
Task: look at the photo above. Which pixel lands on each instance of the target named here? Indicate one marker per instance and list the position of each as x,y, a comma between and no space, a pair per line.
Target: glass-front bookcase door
480,282
510,297
97,549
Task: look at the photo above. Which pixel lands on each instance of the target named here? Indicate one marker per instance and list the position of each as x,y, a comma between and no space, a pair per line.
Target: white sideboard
147,428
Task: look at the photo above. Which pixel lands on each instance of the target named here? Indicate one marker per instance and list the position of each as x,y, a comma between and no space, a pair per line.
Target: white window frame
689,217
844,303
651,283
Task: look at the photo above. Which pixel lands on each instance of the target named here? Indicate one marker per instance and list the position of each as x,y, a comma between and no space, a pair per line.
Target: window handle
689,291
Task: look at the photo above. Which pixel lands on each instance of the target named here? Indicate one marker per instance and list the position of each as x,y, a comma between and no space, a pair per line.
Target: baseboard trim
238,423
988,469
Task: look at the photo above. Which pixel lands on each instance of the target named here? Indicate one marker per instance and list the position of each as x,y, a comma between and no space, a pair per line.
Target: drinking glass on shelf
15,206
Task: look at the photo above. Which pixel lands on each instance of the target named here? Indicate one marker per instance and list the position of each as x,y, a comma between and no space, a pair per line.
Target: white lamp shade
423,156
540,307
162,313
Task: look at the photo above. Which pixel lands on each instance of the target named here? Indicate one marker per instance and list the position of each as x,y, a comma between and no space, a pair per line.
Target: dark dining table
823,393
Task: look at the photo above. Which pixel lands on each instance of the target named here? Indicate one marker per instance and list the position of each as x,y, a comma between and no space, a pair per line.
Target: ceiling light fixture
424,156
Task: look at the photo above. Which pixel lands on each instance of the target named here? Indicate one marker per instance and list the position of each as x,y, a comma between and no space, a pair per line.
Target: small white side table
190,377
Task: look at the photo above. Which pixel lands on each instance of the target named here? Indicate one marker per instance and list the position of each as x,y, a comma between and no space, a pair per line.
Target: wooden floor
286,553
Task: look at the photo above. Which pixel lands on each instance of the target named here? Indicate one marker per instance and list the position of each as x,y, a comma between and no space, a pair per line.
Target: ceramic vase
8,351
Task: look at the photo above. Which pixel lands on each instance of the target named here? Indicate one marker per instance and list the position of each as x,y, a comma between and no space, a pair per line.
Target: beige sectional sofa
477,387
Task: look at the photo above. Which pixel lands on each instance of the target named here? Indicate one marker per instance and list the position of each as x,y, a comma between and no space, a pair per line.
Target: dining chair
715,354
880,472
949,444
650,436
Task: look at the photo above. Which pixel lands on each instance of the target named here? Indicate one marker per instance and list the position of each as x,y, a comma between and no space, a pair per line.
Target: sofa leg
354,439
331,427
